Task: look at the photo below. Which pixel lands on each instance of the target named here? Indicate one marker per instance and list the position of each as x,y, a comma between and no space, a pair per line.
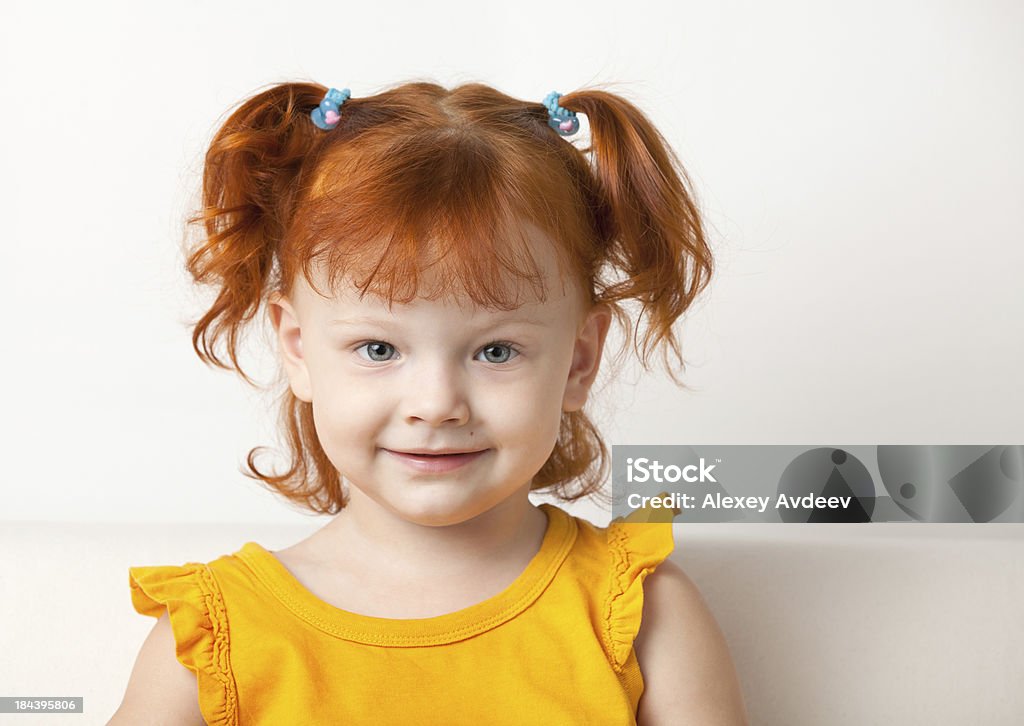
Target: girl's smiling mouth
438,463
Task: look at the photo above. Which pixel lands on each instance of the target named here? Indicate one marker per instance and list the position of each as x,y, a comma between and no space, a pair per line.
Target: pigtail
252,174
657,242
248,193
651,248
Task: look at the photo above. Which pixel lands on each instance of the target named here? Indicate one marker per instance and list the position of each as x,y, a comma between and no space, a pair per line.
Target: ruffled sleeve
193,599
638,544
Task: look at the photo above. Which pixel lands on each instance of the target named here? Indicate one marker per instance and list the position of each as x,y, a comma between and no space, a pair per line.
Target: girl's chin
431,507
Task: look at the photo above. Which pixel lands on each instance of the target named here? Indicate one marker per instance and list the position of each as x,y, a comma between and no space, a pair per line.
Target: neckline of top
449,627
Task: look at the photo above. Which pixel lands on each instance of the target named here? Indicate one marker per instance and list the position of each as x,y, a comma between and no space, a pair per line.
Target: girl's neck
381,544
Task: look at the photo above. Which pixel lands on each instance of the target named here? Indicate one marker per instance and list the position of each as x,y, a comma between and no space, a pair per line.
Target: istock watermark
821,484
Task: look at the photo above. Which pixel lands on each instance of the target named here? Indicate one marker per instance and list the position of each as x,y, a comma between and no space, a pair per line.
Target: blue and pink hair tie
560,119
328,113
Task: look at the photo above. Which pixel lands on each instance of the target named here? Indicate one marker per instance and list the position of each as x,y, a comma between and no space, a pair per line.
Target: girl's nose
436,395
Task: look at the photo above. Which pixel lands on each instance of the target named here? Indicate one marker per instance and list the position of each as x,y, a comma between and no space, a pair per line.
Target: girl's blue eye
512,352
377,351
376,347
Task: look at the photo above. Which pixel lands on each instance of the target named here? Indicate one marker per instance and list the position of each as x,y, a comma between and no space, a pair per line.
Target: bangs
443,205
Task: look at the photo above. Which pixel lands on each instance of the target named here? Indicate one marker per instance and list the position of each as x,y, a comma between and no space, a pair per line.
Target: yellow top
554,647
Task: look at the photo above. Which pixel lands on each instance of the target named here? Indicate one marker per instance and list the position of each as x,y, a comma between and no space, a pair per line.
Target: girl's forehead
347,298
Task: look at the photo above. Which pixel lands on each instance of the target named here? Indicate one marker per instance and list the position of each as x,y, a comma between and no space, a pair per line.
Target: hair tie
561,119
327,114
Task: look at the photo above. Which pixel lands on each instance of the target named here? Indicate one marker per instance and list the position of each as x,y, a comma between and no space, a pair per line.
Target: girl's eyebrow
387,322
358,321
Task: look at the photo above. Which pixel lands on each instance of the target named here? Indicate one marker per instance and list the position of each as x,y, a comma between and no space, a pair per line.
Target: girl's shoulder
633,547
192,599
196,598
200,591
152,586
607,569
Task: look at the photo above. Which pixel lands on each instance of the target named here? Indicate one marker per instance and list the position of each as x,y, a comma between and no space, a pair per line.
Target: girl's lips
436,464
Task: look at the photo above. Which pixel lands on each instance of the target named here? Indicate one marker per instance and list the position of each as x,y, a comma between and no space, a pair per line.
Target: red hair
421,175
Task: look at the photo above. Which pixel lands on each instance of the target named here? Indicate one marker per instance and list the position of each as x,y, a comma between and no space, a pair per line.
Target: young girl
440,268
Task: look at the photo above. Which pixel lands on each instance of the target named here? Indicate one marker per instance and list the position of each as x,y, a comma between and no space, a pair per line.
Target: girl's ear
586,357
289,336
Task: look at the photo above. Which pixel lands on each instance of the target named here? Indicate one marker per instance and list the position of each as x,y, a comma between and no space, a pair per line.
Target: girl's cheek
514,408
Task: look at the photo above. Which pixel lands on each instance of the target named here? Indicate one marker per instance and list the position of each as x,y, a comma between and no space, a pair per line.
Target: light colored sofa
829,624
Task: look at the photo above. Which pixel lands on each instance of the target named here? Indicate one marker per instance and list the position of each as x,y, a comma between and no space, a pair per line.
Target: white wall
859,165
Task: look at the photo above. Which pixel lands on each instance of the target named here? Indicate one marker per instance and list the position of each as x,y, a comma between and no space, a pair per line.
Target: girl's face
434,375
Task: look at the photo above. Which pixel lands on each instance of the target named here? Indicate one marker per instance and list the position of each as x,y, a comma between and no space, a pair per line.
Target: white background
859,166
